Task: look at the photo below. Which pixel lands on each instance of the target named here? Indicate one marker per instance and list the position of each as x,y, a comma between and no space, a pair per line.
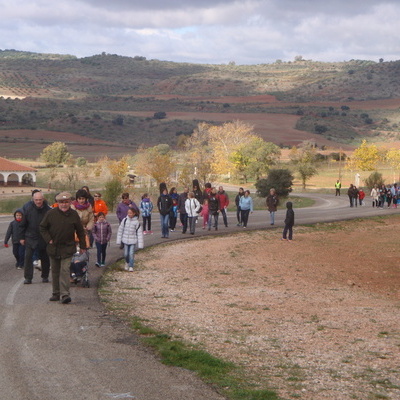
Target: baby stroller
80,268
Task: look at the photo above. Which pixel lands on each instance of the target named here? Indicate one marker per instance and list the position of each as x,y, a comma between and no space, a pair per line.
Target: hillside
114,98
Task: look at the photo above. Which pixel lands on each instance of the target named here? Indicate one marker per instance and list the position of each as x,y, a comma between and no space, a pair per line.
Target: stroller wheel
85,282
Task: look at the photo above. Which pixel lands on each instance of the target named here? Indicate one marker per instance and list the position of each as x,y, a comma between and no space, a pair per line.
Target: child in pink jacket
205,213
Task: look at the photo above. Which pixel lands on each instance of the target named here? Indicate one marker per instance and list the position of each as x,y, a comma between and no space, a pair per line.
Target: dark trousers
351,200
28,262
184,221
19,254
245,217
101,252
288,229
239,215
337,192
210,217
223,212
172,221
147,223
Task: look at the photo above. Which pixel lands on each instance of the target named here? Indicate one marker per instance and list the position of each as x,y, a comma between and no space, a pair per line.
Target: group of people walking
381,196
54,234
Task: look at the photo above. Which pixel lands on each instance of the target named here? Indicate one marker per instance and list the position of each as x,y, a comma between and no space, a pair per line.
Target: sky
205,31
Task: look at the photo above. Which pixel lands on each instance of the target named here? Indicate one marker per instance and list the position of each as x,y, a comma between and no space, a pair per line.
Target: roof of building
7,165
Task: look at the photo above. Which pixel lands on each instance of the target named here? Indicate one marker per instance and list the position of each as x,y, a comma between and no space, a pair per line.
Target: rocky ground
316,318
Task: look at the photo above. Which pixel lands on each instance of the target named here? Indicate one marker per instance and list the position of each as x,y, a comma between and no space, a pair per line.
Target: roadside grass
226,377
10,205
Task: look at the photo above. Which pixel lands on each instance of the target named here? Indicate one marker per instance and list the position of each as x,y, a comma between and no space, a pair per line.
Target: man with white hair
31,238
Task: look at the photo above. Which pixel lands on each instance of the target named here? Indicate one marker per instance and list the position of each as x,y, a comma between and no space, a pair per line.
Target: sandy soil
316,318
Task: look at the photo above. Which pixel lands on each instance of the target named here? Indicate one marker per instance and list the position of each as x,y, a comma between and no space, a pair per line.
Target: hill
114,99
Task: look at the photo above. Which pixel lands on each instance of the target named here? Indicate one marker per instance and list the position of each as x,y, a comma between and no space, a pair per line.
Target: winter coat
272,202
60,227
246,203
100,206
223,199
13,231
130,232
102,232
181,202
122,209
192,207
146,207
205,212
213,204
164,204
85,214
237,199
29,226
289,220
375,194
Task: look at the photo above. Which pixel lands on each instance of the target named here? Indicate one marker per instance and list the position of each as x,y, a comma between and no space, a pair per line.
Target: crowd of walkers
381,196
55,237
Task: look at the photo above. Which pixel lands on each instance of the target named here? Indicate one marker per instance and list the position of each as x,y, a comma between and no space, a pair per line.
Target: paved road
51,351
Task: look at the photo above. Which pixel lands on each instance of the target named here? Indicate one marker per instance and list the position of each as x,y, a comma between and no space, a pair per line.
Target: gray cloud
207,31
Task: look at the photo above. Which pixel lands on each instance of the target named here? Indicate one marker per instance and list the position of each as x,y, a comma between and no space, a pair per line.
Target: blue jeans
129,254
164,225
272,217
210,218
101,252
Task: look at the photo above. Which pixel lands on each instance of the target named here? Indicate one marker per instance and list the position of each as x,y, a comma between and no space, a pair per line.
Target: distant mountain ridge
118,99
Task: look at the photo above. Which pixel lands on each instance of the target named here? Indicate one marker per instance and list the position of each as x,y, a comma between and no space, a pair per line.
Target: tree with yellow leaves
226,139
364,158
155,162
198,157
392,157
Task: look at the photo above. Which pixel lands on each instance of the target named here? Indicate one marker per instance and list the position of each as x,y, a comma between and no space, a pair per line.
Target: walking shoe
38,265
45,280
19,267
54,298
126,266
97,265
144,232
102,265
130,269
66,300
27,281
151,232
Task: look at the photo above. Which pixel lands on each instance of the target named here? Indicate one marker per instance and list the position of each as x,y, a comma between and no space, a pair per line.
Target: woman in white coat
192,207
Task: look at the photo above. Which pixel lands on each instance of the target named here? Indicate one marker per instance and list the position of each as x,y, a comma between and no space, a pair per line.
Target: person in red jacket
223,203
361,196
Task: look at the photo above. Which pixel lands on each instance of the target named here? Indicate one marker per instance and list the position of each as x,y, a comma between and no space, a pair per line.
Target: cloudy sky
205,31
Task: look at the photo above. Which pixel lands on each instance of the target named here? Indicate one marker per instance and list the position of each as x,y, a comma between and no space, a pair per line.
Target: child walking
146,208
130,234
205,213
289,222
102,235
13,233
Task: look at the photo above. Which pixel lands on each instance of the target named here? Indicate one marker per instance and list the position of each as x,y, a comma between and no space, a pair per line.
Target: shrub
279,179
374,179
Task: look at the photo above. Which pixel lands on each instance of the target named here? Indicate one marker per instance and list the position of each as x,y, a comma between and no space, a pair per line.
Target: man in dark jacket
182,210
58,230
164,205
31,238
289,222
